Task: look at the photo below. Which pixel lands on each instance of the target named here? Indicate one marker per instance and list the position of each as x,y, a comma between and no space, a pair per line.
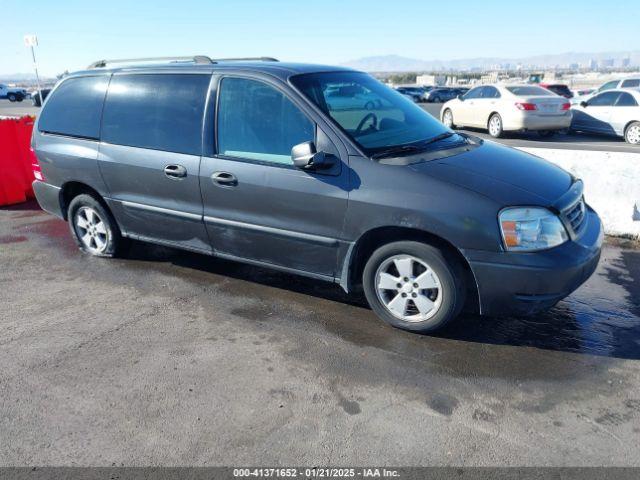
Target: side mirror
305,156
584,104
460,97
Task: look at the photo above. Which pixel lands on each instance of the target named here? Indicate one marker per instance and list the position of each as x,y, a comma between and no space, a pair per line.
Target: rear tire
93,228
413,286
632,133
494,125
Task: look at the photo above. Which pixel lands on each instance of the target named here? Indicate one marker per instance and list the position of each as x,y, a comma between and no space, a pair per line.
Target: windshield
375,116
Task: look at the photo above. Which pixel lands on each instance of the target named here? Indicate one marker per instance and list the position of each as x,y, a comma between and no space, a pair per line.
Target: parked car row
503,108
432,94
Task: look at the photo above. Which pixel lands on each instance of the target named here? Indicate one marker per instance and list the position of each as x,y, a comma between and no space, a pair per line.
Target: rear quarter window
156,111
75,107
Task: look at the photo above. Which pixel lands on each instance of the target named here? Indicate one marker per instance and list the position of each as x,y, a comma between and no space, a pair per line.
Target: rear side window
626,100
606,99
632,83
156,111
75,107
258,122
490,92
473,93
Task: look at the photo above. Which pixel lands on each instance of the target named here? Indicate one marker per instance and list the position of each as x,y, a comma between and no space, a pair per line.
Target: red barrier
16,158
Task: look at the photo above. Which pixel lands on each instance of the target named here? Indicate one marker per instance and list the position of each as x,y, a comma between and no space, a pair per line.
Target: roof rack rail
245,59
202,59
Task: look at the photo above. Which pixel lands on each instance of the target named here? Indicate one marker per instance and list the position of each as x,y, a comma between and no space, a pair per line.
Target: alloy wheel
495,126
91,229
633,134
408,288
447,118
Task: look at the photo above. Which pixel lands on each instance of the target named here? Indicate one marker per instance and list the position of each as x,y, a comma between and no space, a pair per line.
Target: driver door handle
224,179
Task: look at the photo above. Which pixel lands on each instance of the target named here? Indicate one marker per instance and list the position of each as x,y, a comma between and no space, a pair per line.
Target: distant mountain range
22,77
397,63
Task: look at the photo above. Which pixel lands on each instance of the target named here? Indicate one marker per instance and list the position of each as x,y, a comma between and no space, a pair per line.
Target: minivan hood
504,174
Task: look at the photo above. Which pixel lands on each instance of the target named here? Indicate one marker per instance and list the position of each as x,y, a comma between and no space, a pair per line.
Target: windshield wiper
405,149
399,150
439,137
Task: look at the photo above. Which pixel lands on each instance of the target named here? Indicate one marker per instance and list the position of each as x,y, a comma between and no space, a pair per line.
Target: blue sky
74,33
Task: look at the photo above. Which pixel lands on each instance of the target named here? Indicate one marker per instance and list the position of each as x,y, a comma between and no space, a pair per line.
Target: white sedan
500,108
613,112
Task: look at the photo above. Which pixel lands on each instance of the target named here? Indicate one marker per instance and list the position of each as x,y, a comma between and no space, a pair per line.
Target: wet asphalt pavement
172,358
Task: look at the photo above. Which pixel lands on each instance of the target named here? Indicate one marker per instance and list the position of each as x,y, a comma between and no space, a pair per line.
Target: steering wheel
369,116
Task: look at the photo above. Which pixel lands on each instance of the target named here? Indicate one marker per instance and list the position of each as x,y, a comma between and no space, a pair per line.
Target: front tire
12,97
494,125
93,228
632,133
413,286
447,118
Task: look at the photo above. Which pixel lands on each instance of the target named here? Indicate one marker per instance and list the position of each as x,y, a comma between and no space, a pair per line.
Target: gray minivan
246,160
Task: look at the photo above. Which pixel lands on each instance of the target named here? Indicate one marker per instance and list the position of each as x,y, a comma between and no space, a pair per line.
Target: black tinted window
632,83
473,93
257,122
75,107
626,100
606,99
491,92
161,112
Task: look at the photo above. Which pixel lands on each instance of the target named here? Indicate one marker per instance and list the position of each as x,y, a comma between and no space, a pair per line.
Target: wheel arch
72,189
369,241
495,112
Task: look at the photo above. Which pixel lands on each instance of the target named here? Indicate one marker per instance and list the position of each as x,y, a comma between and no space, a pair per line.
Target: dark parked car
418,93
558,88
442,94
244,160
35,97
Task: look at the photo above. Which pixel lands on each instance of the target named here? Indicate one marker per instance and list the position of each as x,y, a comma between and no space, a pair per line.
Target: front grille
576,215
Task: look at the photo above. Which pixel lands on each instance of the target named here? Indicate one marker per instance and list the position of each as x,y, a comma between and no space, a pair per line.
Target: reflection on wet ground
601,318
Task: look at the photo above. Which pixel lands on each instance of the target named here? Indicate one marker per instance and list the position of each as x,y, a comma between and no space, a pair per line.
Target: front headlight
531,229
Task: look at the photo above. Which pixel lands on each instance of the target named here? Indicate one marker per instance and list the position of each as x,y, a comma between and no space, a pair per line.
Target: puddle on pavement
601,318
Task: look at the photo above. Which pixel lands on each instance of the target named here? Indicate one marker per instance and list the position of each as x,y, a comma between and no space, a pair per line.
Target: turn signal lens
526,106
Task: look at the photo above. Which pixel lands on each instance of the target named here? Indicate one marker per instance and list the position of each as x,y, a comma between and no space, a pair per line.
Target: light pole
32,41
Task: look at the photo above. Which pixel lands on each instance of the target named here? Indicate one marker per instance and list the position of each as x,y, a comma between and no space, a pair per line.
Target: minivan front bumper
524,283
